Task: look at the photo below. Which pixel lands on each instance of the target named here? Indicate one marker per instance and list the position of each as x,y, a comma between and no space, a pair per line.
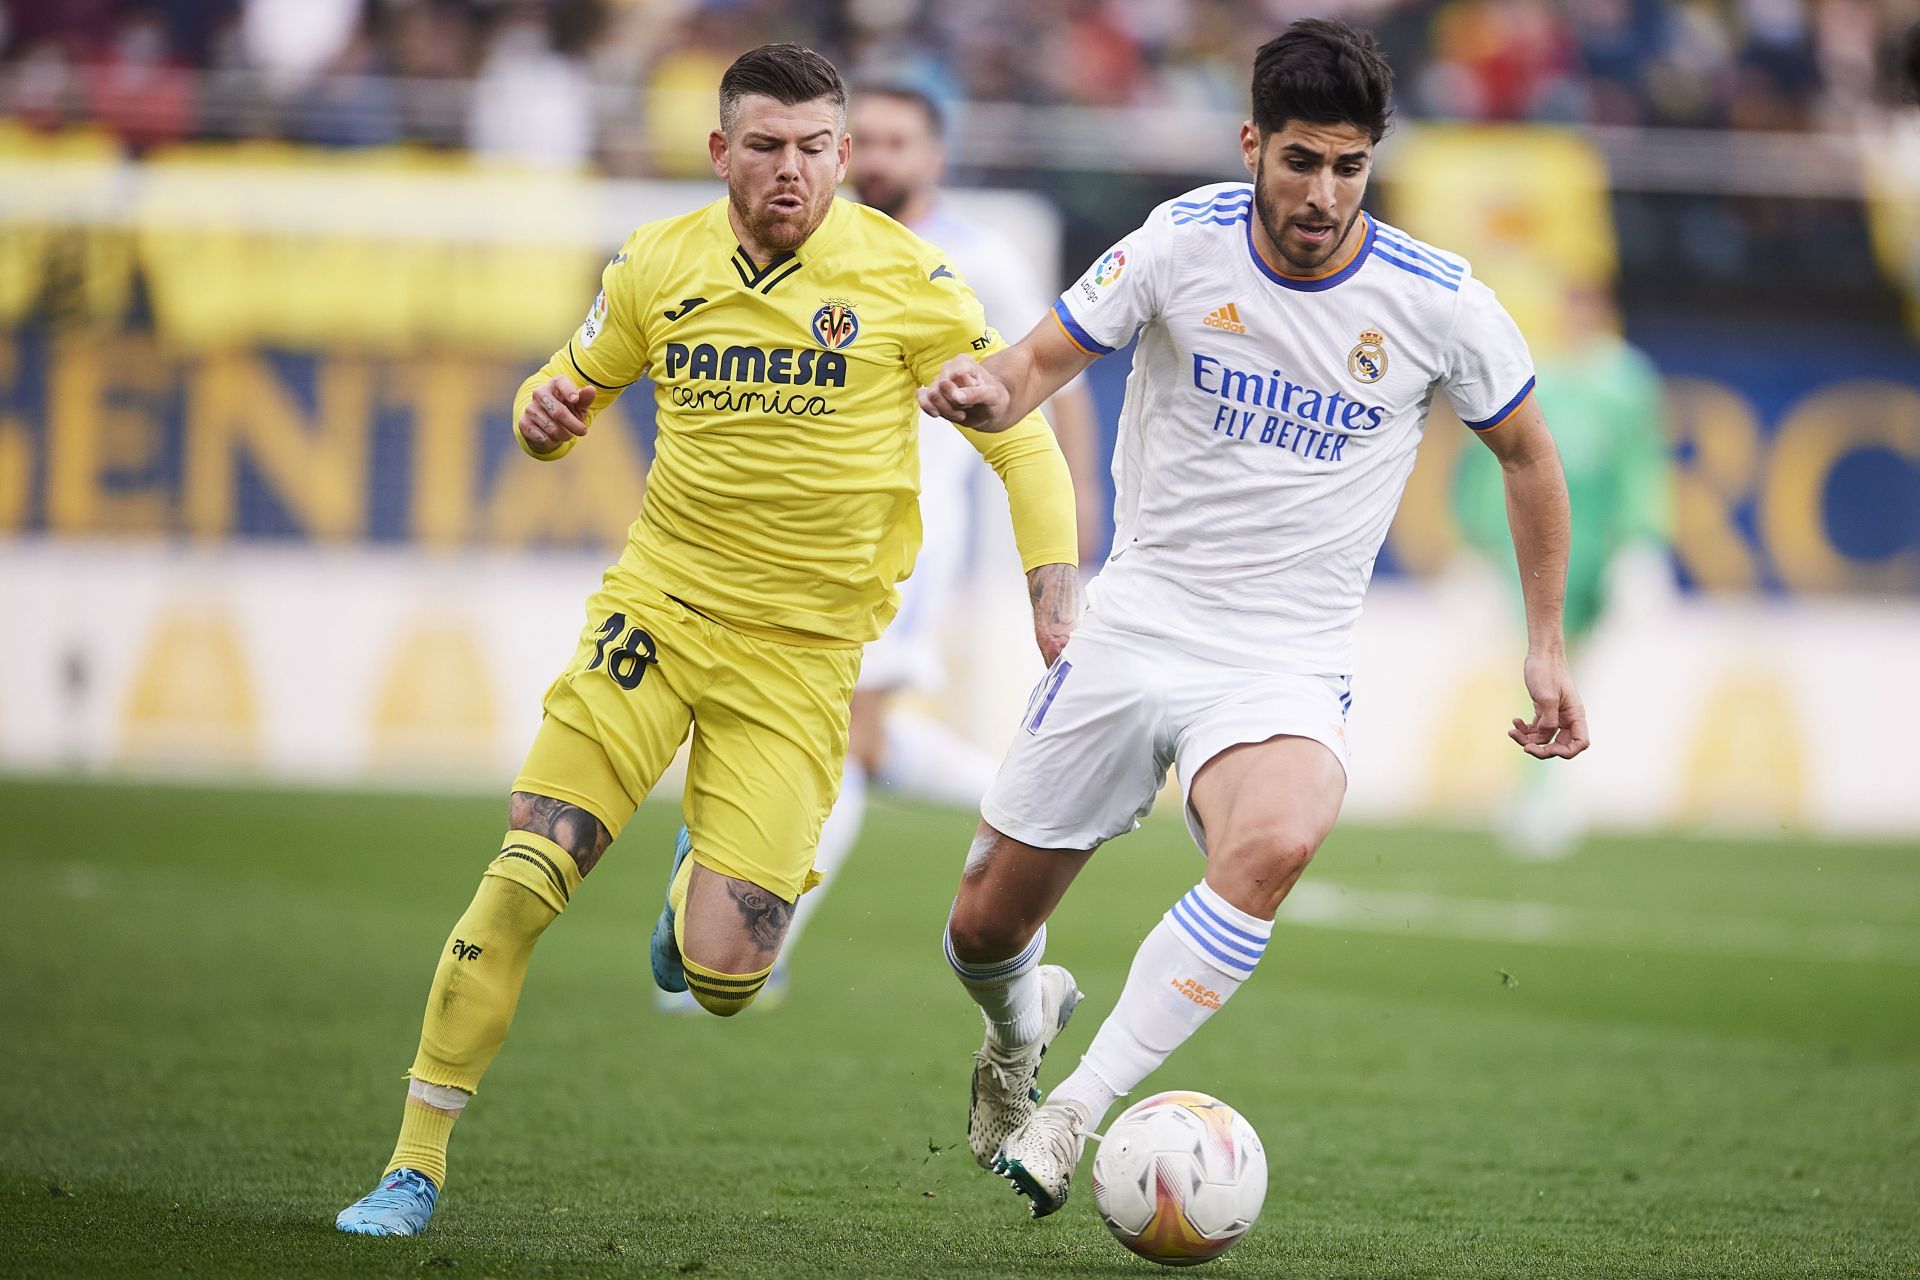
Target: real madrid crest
835,325
1367,362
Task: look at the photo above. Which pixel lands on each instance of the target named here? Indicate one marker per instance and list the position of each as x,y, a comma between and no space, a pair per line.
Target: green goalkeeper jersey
1604,407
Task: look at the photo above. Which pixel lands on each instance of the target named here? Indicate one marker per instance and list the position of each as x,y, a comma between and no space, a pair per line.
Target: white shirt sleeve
1489,370
1122,290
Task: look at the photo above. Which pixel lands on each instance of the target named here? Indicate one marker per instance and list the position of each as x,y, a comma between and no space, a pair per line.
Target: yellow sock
723,993
477,986
424,1132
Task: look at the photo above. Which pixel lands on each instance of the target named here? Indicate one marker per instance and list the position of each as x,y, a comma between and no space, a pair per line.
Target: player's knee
582,835
1261,865
980,936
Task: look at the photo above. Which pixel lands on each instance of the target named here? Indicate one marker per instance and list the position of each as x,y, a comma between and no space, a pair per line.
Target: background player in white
899,160
1290,346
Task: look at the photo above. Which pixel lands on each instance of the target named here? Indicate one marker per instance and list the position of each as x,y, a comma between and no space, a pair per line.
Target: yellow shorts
769,724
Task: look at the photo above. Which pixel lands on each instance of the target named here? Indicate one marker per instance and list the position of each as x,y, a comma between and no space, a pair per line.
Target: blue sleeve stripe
1184,219
1253,940
1075,330
1203,920
1505,411
1383,251
1405,244
1232,963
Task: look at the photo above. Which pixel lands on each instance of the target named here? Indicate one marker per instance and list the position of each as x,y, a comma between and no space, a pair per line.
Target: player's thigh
769,743
1265,807
1008,889
616,715
1091,749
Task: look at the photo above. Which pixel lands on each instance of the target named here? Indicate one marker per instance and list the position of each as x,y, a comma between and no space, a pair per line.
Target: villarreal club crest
835,325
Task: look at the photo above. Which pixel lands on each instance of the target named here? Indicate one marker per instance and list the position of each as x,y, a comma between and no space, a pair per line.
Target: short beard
1276,227
776,234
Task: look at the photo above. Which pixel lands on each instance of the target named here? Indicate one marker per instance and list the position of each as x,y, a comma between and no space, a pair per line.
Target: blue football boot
668,973
401,1205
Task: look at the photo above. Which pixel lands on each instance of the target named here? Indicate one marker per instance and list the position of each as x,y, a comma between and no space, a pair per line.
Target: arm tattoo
1054,590
765,916
567,825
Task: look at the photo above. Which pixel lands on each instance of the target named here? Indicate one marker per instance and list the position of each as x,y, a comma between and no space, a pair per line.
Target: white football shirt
1004,281
1271,422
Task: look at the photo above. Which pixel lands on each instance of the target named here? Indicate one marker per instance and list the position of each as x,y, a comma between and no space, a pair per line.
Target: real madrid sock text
1190,964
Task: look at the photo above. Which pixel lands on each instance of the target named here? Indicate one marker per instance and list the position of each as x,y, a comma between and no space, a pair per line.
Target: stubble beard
782,235
1276,226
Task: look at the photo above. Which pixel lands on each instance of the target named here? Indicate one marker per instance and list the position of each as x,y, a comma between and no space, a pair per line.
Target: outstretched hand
964,392
1559,725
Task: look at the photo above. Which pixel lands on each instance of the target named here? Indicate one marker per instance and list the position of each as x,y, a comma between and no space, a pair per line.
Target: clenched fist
555,415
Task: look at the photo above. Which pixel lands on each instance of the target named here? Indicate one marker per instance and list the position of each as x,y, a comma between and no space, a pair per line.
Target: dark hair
902,92
788,73
1323,72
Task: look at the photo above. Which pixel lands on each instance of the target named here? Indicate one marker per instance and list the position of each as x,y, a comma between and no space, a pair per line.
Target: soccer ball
1179,1178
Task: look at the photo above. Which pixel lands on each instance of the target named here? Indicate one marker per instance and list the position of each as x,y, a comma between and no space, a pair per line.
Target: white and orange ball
1179,1178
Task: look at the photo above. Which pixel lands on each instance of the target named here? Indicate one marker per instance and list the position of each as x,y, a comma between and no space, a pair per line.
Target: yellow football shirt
783,495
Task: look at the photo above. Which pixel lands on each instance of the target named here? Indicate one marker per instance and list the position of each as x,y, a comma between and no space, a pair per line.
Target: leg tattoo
568,825
765,916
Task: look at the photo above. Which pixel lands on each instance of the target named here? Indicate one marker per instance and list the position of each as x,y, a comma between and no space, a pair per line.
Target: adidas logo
1227,317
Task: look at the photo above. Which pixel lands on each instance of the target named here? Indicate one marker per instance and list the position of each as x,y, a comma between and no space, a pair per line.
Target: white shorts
1116,709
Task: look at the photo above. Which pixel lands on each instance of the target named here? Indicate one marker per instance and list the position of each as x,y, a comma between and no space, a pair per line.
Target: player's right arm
1098,313
607,353
993,394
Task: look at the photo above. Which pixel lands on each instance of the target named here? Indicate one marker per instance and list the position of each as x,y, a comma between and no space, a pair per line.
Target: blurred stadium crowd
621,83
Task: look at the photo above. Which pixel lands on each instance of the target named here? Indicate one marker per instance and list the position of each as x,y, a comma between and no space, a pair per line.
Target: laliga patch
835,325
1108,269
596,319
1367,362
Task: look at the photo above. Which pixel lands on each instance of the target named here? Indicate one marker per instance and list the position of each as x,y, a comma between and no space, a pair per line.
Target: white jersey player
1290,346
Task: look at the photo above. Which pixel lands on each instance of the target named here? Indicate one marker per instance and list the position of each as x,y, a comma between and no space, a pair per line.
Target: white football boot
1039,1157
1006,1085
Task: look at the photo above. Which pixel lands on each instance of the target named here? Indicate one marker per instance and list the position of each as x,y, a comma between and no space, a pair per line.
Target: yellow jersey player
785,332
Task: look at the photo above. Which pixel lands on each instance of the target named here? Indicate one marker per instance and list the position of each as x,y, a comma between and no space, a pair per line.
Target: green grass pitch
1663,1057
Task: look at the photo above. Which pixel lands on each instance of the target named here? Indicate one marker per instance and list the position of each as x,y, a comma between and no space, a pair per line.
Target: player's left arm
1025,456
1039,486
1538,514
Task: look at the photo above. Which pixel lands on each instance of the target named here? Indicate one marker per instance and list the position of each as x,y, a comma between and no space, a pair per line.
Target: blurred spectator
1093,59
135,87
531,104
292,40
433,53
353,104
682,93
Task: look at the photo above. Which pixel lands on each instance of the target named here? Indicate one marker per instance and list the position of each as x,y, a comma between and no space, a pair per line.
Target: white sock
439,1096
837,838
1007,991
929,761
1190,964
